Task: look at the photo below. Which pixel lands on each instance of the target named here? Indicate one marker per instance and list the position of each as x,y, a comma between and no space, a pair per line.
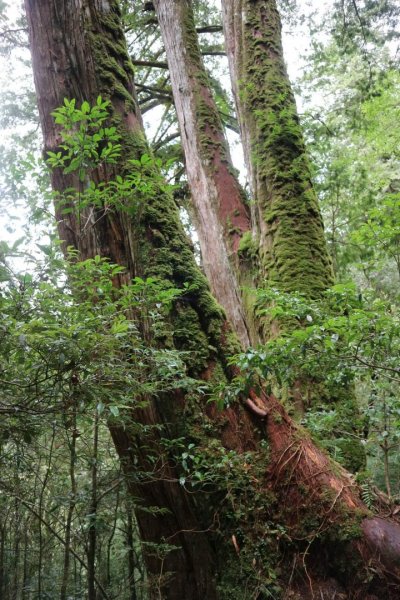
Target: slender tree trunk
233,24
287,219
111,539
16,557
72,499
3,533
25,578
221,214
131,553
91,554
85,55
41,502
77,576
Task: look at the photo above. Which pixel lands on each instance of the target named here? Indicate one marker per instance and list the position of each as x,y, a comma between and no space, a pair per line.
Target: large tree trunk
220,211
79,51
288,224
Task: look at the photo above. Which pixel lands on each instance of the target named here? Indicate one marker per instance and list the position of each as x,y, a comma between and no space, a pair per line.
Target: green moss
158,244
113,65
247,246
353,454
188,336
167,255
293,251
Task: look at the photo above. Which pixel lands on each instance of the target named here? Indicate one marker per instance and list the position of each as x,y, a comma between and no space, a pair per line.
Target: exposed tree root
313,489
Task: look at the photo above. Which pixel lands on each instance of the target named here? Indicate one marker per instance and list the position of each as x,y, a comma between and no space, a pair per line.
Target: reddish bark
220,211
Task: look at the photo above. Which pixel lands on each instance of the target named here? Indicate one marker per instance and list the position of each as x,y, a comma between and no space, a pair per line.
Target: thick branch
150,63
214,53
163,141
209,29
203,29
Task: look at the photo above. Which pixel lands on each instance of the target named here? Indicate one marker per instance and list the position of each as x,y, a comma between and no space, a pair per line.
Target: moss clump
113,65
247,246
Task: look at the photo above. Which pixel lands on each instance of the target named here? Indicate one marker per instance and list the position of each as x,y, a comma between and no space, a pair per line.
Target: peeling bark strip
220,212
293,250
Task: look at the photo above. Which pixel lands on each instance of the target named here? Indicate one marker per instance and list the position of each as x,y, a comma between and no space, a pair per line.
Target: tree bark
286,216
221,214
78,51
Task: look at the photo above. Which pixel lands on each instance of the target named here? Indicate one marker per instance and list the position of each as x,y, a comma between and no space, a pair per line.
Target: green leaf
114,410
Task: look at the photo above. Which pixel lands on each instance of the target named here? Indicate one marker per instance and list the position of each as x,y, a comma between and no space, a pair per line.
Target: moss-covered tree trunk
287,224
79,51
222,532
286,216
221,214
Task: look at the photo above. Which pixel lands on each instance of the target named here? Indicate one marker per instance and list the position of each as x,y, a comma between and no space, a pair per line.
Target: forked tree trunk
79,51
288,224
221,214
